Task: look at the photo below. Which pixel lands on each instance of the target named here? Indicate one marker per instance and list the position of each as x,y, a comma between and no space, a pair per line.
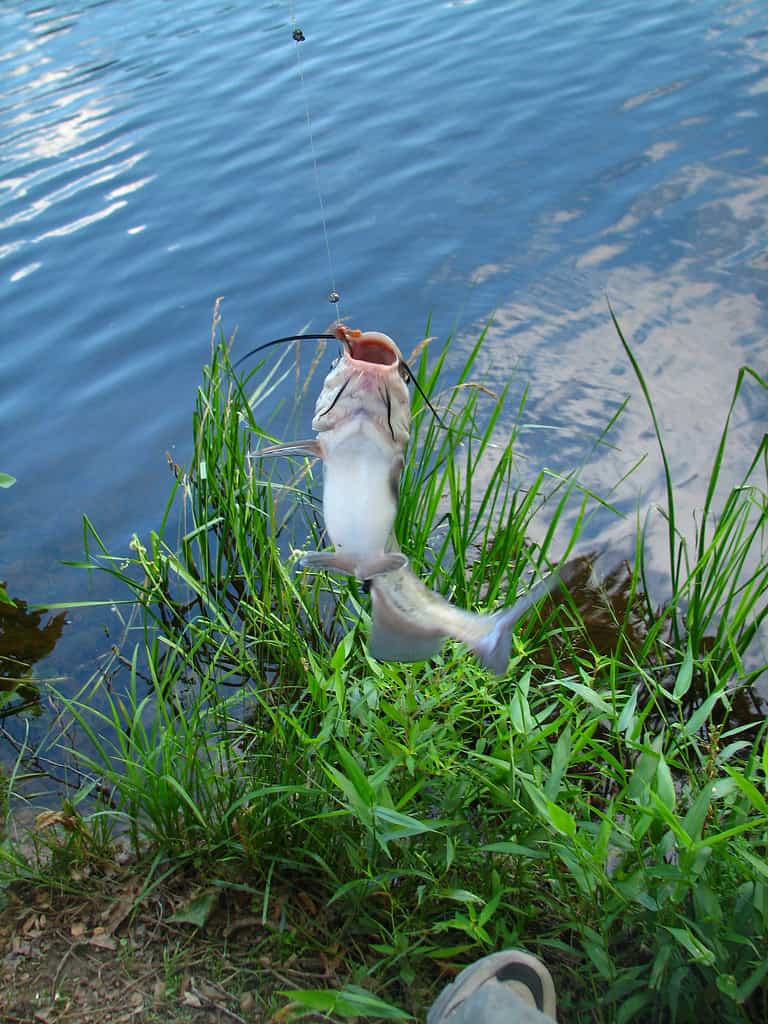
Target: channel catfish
362,419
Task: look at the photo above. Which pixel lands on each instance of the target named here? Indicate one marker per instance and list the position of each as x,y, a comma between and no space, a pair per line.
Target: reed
602,804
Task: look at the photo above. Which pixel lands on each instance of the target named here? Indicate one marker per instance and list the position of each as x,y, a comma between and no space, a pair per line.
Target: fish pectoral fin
329,561
352,565
311,448
391,561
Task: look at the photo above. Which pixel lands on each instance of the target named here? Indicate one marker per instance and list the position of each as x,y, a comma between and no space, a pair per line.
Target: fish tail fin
494,648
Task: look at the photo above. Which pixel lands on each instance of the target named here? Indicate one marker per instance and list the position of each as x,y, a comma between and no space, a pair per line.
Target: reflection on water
26,637
617,622
155,156
612,608
690,360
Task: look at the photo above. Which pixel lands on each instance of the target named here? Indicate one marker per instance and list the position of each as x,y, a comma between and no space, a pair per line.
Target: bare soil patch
109,955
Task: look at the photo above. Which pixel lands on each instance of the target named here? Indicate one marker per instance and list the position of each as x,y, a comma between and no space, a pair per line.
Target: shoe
524,975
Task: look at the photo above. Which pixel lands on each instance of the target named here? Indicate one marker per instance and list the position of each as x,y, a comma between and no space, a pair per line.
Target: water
514,160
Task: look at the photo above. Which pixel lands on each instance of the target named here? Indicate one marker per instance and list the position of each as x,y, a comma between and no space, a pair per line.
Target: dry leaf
251,921
211,991
307,902
117,913
33,925
283,1013
47,819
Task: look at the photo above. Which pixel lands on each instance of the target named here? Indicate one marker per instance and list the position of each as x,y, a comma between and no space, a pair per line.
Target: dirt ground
110,955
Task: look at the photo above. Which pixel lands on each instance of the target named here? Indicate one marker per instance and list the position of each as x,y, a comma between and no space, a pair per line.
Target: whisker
388,400
339,393
420,389
282,341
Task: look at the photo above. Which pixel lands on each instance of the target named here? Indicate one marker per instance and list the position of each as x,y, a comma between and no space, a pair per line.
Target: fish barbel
409,622
362,419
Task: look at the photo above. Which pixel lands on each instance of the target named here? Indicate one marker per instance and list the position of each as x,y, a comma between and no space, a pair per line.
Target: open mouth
372,350
368,346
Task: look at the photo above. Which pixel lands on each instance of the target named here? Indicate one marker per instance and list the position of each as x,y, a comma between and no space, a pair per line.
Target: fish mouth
367,350
368,347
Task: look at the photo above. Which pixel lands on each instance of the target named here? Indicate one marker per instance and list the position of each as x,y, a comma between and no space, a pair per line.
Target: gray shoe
508,987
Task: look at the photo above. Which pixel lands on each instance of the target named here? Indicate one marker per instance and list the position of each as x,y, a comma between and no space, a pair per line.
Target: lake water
520,161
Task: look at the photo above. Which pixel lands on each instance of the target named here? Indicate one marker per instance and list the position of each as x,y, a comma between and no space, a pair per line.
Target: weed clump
603,804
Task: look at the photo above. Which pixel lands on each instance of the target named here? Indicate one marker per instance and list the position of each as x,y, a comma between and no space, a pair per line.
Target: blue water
520,161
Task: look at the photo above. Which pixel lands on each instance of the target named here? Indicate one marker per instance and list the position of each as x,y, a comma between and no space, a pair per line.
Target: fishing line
333,296
299,38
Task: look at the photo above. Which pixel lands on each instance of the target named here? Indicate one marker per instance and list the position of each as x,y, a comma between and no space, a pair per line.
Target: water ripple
515,160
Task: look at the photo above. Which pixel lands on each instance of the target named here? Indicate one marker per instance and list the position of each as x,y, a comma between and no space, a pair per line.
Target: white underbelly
359,506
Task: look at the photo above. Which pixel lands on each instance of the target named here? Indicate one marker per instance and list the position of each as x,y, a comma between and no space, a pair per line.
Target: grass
603,805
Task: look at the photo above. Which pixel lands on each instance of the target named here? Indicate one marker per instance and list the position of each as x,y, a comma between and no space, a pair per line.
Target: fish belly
359,506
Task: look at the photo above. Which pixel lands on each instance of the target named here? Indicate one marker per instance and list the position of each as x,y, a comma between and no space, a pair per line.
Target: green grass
601,805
